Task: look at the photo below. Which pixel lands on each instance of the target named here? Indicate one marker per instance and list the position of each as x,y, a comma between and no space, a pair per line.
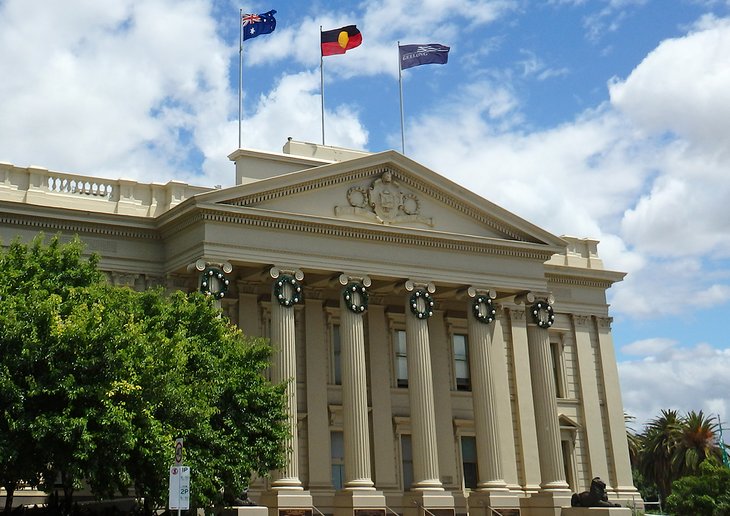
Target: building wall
158,232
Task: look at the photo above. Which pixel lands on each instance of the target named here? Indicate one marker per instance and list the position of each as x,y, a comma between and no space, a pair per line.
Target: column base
257,510
438,503
546,503
288,502
505,502
596,511
360,502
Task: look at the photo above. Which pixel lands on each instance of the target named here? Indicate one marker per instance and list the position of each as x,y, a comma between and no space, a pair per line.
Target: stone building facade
447,356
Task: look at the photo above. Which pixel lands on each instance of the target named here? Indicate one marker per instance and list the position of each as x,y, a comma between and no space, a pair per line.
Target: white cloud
683,379
654,346
114,91
682,87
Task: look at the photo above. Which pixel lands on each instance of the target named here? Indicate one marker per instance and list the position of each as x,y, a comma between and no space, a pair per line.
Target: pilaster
527,431
621,479
589,400
318,431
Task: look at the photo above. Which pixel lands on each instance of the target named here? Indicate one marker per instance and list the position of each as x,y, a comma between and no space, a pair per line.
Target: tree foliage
97,381
672,446
706,493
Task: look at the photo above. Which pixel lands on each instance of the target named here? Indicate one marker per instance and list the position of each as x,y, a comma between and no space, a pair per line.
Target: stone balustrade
43,187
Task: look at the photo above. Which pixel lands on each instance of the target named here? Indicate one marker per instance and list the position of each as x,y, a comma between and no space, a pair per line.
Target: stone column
489,459
552,471
353,303
427,492
359,492
420,388
492,491
284,365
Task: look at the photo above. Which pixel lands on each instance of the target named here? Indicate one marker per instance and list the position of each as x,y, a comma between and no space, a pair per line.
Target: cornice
51,223
575,276
578,282
395,238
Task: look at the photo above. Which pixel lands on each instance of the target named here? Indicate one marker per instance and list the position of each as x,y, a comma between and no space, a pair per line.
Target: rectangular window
556,356
469,461
407,457
336,355
401,359
460,346
337,446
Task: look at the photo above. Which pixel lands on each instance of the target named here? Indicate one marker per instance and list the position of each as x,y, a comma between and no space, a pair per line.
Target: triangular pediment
384,190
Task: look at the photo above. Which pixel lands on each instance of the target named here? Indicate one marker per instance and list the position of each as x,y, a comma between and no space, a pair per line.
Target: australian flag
416,55
256,24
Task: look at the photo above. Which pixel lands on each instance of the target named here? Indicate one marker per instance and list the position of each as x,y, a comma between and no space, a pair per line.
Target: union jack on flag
255,24
250,18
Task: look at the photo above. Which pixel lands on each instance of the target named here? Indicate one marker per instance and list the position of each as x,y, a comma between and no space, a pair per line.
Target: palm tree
634,440
698,442
658,451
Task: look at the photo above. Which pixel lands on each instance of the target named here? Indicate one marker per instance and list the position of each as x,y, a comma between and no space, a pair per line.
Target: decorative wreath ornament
486,315
543,322
348,294
209,274
426,312
296,288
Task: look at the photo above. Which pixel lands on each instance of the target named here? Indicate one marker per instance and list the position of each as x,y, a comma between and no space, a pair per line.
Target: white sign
179,496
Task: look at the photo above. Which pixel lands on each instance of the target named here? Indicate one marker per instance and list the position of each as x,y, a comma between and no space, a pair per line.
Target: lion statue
596,497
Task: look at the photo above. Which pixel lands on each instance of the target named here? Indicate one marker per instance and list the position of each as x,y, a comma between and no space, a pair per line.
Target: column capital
346,278
411,285
604,322
581,320
202,264
275,272
473,291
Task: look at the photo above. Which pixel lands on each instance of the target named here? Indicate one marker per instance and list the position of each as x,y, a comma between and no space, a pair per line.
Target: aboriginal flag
339,41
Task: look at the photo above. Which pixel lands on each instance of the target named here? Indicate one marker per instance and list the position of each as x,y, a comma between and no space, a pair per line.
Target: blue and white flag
416,55
256,24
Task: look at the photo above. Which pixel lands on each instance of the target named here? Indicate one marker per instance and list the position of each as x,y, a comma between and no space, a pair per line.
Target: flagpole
321,78
400,89
240,73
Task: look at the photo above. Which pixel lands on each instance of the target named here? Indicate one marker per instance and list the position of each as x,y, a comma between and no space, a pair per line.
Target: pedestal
546,503
254,510
360,503
596,511
438,503
480,502
287,502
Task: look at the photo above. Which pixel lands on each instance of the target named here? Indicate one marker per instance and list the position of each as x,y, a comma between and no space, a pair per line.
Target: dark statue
596,497
240,501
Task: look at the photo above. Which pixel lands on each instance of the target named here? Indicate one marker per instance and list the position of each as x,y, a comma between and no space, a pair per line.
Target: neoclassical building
446,356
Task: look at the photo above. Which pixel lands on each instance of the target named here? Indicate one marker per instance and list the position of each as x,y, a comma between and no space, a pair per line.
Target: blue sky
607,119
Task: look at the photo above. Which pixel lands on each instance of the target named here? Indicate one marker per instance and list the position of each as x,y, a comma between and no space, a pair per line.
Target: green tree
97,381
206,383
659,446
705,494
698,441
37,279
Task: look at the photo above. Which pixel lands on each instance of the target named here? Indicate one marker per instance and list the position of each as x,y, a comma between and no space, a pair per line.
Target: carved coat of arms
383,201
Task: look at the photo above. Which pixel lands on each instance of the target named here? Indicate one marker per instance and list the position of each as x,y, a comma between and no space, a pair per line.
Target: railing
83,186
40,186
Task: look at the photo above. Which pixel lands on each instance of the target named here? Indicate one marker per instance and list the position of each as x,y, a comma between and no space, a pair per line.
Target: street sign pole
179,494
